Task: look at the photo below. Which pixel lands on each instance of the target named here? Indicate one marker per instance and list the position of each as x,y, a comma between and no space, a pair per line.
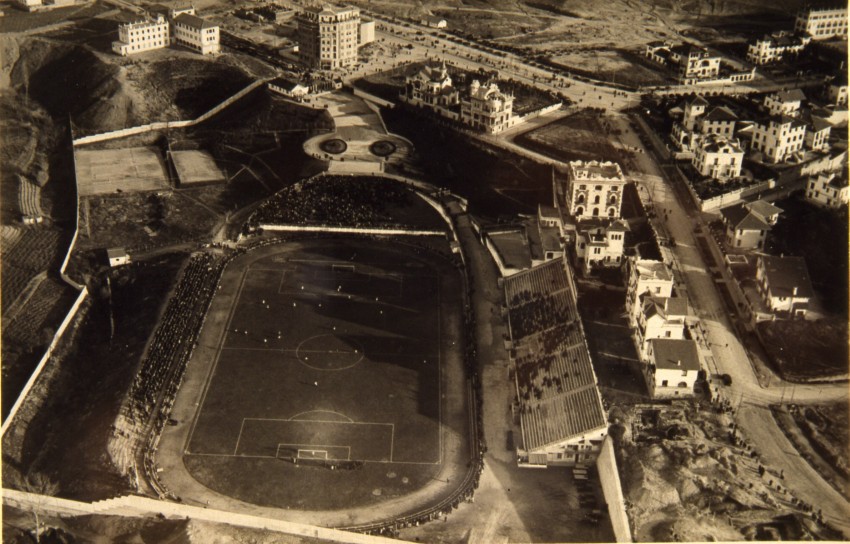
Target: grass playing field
332,350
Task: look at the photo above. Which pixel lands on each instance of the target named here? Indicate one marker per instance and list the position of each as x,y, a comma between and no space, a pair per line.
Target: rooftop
556,384
596,170
739,217
793,95
512,247
648,269
194,21
720,113
786,273
670,354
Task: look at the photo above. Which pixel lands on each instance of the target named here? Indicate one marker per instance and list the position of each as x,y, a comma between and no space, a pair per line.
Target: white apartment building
487,108
645,277
822,24
828,189
776,46
784,284
595,189
673,369
660,317
817,133
146,35
837,91
600,243
784,102
718,157
328,36
778,138
196,33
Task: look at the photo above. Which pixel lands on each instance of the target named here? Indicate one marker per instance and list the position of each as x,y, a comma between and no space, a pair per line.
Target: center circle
329,352
334,146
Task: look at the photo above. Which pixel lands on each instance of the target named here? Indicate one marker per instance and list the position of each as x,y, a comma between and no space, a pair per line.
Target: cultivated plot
330,353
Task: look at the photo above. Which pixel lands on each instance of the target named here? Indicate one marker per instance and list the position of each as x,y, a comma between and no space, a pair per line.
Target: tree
39,484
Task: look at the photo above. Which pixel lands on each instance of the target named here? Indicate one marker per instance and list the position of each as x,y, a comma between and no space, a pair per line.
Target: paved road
726,355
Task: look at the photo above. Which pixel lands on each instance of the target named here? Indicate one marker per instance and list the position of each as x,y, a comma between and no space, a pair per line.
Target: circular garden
382,148
335,146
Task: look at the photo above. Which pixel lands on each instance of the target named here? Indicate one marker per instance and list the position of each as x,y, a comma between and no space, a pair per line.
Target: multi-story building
431,87
660,317
747,225
595,189
775,47
784,284
777,138
696,124
817,132
196,33
693,63
599,243
822,24
718,157
328,36
645,277
828,189
145,35
487,108
784,102
674,367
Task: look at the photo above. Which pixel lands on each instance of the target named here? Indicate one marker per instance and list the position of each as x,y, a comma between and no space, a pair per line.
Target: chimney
794,291
678,362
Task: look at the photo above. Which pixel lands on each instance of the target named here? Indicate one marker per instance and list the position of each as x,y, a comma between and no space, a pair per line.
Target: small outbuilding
117,256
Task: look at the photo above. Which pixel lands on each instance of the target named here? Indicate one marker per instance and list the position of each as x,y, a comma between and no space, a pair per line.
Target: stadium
326,361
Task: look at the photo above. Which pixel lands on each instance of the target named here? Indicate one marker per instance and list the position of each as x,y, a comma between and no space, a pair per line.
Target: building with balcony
660,317
432,87
776,46
778,138
822,24
143,35
785,102
595,189
600,243
328,36
718,157
487,109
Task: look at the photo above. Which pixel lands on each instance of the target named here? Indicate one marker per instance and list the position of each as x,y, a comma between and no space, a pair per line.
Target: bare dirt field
195,167
602,39
580,136
806,351
110,171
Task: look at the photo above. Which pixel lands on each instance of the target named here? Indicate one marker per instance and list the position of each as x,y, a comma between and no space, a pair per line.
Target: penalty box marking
326,448
257,439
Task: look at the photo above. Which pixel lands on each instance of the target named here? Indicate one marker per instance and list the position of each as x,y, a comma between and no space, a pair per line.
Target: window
664,383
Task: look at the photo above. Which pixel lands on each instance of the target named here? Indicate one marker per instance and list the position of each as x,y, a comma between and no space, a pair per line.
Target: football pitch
331,352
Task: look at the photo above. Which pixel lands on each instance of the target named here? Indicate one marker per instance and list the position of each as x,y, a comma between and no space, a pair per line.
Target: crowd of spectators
330,200
175,337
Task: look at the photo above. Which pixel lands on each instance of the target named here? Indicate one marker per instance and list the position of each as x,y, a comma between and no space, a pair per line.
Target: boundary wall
135,506
163,125
606,466
69,317
348,230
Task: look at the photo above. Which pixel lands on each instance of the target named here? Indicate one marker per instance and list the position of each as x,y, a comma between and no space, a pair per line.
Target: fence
606,465
164,125
537,113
